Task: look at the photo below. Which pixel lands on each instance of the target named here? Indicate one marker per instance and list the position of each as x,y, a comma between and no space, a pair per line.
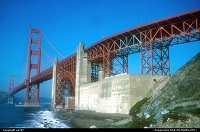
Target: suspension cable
52,45
46,54
25,53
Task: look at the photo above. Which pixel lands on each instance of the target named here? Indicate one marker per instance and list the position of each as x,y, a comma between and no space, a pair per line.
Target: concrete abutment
116,94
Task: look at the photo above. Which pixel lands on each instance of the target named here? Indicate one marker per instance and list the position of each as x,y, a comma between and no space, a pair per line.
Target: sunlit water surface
18,117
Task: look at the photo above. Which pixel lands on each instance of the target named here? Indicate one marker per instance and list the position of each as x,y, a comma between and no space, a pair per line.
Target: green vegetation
139,122
136,108
179,113
194,112
174,116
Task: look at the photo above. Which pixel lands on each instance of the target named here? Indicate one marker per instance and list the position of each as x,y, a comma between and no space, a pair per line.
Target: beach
92,119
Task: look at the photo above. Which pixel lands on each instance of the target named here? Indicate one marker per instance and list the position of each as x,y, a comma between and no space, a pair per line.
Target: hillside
174,103
3,97
22,100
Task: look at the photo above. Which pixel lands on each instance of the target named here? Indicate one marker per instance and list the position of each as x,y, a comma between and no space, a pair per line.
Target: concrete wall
115,94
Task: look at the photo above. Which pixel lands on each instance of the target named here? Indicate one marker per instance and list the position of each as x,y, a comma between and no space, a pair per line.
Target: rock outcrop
174,102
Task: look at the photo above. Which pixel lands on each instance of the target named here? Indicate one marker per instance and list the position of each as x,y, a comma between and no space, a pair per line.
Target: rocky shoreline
92,119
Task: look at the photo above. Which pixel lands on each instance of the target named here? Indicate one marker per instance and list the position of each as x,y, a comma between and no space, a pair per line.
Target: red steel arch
64,76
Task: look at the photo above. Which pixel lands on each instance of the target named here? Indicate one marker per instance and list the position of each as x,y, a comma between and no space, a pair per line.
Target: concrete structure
82,72
55,90
10,100
54,78
70,102
115,94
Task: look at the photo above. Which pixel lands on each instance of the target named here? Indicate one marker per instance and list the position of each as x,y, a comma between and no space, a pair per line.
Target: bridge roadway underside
117,94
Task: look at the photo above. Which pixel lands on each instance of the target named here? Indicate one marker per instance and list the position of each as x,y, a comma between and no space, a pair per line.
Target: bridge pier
54,80
10,100
83,72
100,72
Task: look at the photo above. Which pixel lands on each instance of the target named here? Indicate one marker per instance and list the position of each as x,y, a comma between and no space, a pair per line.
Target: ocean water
18,117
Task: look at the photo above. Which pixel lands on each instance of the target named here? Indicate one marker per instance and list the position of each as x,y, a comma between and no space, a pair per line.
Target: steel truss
129,45
120,64
180,39
34,94
63,90
107,64
155,45
155,59
65,79
154,54
94,71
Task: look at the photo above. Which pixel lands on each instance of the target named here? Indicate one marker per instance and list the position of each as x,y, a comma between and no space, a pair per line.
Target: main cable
46,54
52,45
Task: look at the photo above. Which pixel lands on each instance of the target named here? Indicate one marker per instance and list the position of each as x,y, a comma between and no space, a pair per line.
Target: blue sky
67,22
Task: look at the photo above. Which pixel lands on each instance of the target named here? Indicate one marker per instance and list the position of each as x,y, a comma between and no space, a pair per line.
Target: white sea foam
43,119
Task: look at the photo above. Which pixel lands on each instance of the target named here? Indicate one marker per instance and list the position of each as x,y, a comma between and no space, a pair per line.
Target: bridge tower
34,51
11,87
